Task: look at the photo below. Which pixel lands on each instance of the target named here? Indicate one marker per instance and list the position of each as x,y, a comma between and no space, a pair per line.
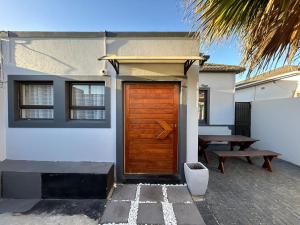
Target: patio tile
187,214
178,194
150,213
124,192
151,193
250,194
116,212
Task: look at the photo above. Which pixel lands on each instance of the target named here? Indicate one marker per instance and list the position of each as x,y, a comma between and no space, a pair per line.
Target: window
47,101
36,100
87,101
203,106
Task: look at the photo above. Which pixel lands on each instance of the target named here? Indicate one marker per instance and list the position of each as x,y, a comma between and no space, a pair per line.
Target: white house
128,98
275,109
283,82
216,98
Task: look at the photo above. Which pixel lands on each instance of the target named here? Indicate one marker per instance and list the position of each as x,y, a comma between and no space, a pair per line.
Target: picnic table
234,140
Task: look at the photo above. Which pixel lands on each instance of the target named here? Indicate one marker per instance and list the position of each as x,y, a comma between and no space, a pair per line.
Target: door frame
120,136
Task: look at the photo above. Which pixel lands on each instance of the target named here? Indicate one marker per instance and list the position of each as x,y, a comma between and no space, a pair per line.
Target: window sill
203,124
59,124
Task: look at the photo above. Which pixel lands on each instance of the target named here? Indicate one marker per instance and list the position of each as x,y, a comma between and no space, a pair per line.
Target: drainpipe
104,44
2,82
1,64
104,71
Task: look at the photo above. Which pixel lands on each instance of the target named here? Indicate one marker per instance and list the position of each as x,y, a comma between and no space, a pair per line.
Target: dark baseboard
152,179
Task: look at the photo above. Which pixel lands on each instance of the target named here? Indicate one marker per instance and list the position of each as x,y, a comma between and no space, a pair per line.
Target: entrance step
23,179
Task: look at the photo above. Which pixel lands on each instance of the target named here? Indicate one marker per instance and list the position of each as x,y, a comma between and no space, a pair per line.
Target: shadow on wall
116,47
276,89
45,58
153,69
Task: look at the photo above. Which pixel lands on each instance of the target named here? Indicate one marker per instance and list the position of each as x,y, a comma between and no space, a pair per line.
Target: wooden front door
151,130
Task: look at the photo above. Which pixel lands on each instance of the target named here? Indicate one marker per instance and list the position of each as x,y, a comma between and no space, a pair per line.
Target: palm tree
268,29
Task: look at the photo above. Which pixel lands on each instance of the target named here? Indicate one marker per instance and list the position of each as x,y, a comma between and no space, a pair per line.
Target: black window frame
206,91
71,83
22,106
60,101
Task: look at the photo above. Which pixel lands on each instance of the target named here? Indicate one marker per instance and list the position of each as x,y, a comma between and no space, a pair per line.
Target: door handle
167,129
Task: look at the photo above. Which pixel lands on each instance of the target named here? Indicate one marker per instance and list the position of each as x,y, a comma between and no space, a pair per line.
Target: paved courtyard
151,204
244,195
50,212
247,194
129,204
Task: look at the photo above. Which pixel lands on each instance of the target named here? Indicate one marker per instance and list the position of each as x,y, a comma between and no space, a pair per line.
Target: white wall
192,115
214,130
273,90
58,57
78,56
221,102
276,123
153,46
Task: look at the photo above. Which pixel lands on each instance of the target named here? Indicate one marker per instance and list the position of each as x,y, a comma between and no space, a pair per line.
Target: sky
110,15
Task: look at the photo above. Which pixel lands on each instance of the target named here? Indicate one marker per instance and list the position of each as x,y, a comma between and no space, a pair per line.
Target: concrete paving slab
116,212
150,213
124,192
178,194
17,205
151,193
187,214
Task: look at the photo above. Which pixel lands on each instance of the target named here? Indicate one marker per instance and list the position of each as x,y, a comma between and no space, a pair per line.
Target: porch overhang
186,61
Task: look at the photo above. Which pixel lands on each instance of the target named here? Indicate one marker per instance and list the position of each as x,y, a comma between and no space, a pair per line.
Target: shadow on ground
90,208
247,194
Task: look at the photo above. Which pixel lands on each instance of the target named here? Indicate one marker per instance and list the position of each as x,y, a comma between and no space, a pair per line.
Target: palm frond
267,29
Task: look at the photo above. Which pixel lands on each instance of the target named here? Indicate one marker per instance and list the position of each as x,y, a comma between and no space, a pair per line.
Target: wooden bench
268,156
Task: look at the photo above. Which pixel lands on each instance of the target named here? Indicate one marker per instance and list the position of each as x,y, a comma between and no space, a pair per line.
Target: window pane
202,106
36,94
87,114
88,95
37,113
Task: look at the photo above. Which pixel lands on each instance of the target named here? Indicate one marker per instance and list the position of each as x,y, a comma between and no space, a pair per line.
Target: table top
226,138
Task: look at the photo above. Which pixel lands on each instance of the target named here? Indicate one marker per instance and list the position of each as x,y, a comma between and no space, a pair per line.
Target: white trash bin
196,175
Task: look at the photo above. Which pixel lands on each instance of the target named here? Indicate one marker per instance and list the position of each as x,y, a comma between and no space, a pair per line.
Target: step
56,180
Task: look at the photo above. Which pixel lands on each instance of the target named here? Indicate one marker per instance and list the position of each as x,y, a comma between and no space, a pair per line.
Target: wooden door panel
152,95
148,121
151,117
152,111
151,101
152,106
143,126
152,141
